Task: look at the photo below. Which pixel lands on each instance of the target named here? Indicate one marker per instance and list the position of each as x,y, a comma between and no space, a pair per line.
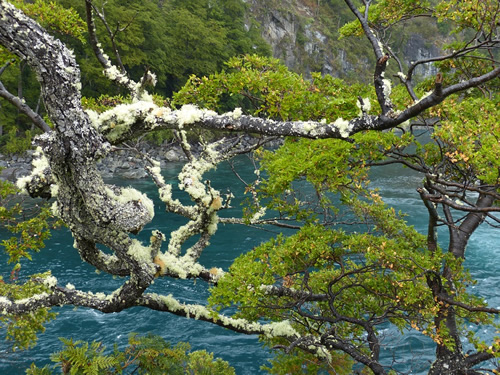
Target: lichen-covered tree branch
325,289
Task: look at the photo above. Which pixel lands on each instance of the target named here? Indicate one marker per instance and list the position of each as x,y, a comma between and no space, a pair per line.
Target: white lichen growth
22,182
343,127
152,78
235,114
112,72
93,117
118,120
188,114
39,163
127,195
387,87
139,252
5,301
258,215
69,69
54,190
31,299
280,329
402,76
309,126
365,107
50,282
380,45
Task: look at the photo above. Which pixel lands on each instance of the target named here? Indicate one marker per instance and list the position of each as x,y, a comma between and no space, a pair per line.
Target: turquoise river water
412,351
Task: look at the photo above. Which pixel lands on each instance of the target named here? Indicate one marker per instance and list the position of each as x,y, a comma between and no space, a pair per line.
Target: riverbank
122,163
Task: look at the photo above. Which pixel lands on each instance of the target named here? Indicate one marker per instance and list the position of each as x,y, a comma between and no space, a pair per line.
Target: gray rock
133,174
13,173
172,155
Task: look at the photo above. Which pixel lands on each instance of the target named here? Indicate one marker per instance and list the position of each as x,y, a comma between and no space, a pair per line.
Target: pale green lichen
280,329
39,163
387,87
117,121
54,190
365,107
129,194
188,114
139,252
212,227
54,208
179,236
93,117
31,299
50,281
235,114
258,215
182,267
5,301
309,126
343,127
170,302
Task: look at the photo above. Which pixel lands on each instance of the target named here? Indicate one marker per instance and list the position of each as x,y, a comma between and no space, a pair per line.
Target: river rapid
412,350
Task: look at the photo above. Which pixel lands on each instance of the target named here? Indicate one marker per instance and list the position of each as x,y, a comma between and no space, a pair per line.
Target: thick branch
363,19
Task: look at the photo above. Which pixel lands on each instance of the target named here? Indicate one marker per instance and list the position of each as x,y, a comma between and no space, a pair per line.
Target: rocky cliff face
297,37
303,34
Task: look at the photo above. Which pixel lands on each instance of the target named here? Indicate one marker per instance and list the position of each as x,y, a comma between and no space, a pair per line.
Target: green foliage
81,358
334,169
264,86
475,14
387,13
32,227
383,268
32,234
299,362
14,143
22,329
148,354
471,133
174,39
54,17
16,128
472,14
378,260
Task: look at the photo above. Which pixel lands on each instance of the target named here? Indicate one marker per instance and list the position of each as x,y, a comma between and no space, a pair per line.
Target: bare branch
112,36
24,108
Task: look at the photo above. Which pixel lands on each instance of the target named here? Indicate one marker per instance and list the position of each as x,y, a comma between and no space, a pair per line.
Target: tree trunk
451,359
